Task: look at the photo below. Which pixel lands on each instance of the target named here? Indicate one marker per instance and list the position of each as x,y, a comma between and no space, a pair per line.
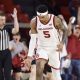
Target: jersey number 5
46,34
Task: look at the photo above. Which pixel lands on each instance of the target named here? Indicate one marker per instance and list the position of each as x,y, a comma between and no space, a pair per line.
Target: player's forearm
64,35
32,45
65,31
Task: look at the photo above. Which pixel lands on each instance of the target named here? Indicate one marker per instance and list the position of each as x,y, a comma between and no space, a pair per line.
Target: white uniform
48,41
49,38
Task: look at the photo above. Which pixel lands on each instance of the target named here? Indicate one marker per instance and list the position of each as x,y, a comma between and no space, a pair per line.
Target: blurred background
26,11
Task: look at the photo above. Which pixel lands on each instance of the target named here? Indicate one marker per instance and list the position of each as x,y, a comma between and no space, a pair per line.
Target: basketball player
46,28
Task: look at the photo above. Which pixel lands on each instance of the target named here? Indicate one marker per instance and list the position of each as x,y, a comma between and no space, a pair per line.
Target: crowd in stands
26,8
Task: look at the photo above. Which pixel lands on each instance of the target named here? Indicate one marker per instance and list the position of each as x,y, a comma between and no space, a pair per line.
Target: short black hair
41,8
2,13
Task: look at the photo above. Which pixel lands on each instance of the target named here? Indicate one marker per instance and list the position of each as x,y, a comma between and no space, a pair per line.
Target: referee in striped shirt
5,55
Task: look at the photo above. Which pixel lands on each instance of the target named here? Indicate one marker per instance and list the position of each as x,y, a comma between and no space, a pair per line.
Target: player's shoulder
51,14
33,22
57,18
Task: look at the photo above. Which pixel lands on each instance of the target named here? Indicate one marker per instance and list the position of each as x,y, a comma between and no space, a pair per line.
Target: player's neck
47,19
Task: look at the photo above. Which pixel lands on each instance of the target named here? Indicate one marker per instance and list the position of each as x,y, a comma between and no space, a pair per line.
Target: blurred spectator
78,16
73,6
28,6
5,55
19,53
73,48
66,60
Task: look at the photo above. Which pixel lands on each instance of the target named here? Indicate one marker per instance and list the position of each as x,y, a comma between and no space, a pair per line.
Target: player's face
43,18
2,20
